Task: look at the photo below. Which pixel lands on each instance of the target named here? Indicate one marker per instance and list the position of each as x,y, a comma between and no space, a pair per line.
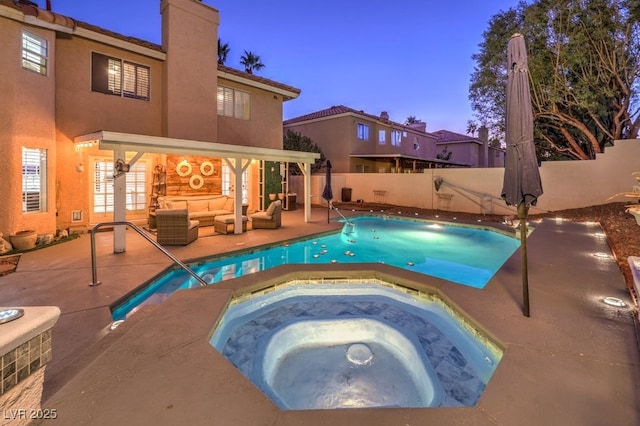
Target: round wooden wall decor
183,168
196,182
206,168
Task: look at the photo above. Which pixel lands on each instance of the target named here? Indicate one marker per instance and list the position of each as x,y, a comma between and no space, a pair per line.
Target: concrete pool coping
575,361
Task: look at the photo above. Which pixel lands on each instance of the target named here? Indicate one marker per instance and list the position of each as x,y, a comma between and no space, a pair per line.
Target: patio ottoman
224,223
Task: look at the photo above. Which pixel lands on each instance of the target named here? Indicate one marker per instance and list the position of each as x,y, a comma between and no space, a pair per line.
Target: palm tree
472,128
251,62
223,51
411,120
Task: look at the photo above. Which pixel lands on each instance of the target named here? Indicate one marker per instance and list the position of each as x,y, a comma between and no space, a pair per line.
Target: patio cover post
119,203
306,172
237,167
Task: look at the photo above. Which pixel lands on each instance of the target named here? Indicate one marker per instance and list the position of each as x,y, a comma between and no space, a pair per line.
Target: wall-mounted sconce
121,167
80,168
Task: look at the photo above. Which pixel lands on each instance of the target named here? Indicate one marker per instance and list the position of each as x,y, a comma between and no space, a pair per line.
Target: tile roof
133,40
257,78
337,110
446,136
30,8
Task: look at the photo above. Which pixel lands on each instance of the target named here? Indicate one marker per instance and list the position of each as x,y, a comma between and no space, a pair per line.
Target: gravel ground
623,233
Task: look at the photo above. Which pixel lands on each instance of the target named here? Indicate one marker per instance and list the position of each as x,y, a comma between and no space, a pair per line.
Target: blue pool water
325,345
465,255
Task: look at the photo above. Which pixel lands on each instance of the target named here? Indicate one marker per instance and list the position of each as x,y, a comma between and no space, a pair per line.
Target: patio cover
237,158
399,157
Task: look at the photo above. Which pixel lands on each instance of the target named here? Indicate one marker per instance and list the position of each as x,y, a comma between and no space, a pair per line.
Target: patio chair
175,228
269,219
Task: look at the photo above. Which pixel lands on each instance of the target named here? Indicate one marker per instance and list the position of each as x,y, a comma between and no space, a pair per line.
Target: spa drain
359,354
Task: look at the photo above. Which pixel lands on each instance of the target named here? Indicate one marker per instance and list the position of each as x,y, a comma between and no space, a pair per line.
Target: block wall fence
566,184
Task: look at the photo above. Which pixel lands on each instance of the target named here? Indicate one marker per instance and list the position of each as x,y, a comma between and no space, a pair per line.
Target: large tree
583,64
294,141
251,62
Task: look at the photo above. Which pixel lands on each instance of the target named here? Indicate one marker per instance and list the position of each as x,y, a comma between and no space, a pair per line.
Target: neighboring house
65,80
357,142
467,150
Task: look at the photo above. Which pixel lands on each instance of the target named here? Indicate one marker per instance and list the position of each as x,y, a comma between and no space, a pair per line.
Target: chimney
419,125
384,116
189,34
483,135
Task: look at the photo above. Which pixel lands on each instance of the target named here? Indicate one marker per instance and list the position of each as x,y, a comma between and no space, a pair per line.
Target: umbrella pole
328,209
523,211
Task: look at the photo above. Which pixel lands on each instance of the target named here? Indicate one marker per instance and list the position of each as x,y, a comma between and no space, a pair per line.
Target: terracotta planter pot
24,240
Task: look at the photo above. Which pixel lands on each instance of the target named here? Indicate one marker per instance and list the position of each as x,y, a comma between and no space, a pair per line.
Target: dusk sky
406,57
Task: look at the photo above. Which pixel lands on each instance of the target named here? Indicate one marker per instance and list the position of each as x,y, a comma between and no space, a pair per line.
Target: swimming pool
318,344
466,255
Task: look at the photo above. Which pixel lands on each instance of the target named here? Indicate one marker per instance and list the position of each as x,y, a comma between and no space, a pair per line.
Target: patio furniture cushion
176,204
203,208
269,219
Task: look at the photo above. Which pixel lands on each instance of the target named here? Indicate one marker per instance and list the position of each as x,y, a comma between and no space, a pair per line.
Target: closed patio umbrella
522,185
327,193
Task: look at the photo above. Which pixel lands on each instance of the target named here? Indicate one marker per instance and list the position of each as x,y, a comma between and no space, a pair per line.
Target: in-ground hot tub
320,344
356,362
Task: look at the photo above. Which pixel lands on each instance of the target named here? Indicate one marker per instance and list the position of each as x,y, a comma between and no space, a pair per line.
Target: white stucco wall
566,184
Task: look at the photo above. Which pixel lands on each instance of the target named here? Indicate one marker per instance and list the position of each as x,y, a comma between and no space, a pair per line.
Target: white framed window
382,137
34,53
227,185
136,186
396,137
234,103
34,180
115,76
363,132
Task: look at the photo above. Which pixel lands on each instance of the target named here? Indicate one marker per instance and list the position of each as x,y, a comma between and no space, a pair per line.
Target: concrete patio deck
575,361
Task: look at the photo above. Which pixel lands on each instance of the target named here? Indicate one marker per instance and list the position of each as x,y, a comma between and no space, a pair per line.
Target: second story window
396,137
34,53
363,132
234,103
118,77
382,137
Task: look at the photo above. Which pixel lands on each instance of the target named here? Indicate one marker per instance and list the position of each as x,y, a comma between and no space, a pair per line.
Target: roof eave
285,93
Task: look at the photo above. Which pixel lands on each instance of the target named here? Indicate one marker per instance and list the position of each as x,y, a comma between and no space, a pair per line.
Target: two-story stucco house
468,150
358,142
80,103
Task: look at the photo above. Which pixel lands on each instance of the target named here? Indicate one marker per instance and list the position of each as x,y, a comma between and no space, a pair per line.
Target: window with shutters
34,180
234,103
34,53
103,193
118,77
